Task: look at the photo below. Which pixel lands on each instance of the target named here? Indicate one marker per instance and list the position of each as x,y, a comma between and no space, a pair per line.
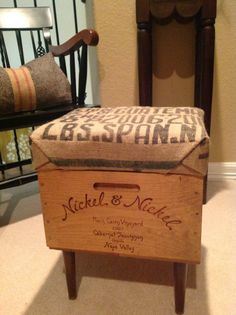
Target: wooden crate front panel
126,213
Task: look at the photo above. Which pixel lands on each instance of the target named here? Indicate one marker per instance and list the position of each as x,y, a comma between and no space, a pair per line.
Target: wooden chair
163,12
39,21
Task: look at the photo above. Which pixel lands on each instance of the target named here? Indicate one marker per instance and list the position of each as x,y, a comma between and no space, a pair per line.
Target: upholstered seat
149,139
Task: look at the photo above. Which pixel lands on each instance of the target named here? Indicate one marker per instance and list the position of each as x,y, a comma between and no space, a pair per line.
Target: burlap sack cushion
151,139
38,84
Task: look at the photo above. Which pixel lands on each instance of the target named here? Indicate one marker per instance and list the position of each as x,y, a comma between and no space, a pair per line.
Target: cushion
39,84
149,139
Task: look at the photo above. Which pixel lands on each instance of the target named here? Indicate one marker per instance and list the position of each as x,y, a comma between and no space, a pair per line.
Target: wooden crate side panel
142,215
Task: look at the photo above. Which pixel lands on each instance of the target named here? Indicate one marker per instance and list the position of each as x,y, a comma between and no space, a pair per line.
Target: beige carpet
32,279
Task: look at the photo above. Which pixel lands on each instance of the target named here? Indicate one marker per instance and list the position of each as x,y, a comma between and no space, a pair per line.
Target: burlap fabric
38,84
148,139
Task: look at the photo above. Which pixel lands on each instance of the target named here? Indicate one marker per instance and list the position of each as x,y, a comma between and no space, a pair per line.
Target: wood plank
125,213
163,10
142,11
145,65
209,9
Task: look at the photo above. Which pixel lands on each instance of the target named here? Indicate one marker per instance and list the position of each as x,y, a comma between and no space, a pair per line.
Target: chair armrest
85,37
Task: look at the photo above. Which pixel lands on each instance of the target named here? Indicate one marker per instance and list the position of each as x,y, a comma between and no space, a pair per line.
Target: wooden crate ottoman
125,181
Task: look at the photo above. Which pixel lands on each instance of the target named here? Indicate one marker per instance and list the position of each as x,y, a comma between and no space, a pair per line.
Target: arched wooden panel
165,10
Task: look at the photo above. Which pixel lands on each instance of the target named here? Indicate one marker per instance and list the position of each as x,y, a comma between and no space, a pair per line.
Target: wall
115,23
173,80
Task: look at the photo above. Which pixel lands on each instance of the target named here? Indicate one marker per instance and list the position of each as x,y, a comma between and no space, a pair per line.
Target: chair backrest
38,21
25,19
162,12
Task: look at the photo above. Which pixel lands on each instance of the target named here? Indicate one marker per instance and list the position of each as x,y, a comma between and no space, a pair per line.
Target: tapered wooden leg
180,278
69,260
204,190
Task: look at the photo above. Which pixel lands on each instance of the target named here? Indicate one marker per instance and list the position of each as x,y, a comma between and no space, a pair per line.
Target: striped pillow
39,84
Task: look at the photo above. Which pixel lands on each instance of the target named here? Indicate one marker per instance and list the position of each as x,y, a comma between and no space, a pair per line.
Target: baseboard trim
222,170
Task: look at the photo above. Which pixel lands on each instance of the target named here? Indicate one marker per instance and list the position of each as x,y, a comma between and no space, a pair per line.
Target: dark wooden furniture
204,11
162,12
38,21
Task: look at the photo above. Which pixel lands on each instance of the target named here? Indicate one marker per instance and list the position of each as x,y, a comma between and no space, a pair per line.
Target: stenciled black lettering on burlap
123,130
145,111
108,137
187,110
156,110
91,110
168,110
184,110
174,119
87,129
93,118
67,132
46,134
161,133
121,110
69,118
154,119
107,119
125,110
194,111
142,134
86,115
96,118
104,111
189,132
124,119
138,119
132,110
189,120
